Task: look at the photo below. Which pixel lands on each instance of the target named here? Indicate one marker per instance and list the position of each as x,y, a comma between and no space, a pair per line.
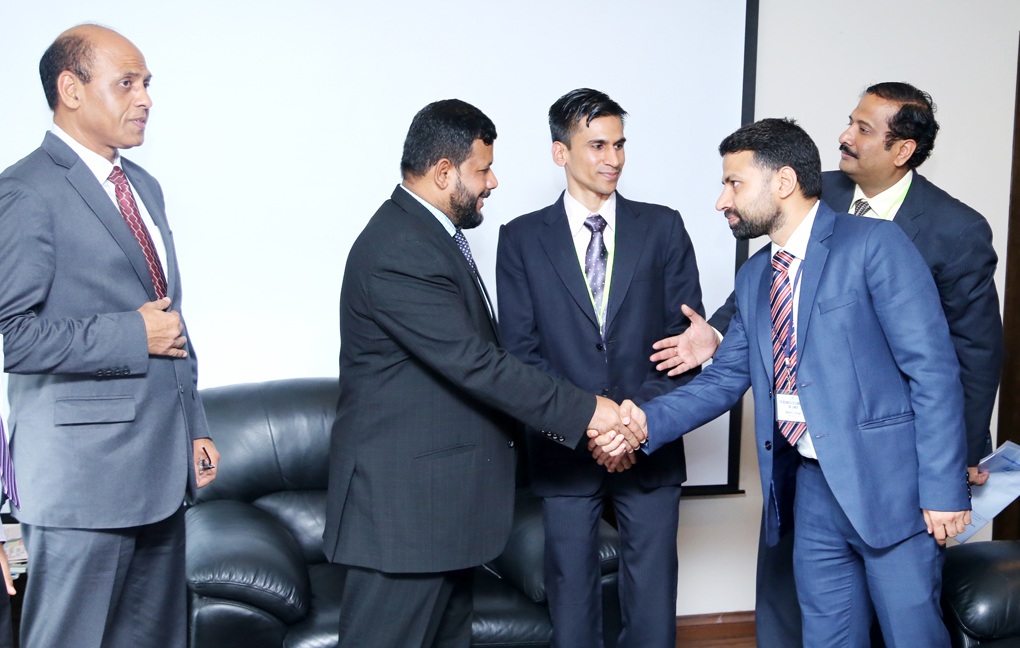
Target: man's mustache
846,149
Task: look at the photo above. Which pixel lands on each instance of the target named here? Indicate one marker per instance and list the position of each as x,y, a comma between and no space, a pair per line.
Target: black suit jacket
422,455
547,320
956,243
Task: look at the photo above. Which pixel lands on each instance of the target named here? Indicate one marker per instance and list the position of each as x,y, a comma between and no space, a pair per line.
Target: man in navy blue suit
585,286
859,419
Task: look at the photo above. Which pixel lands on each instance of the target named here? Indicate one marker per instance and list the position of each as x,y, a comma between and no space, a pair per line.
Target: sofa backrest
273,439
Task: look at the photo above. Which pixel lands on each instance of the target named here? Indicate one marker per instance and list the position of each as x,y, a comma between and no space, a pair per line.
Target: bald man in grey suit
108,427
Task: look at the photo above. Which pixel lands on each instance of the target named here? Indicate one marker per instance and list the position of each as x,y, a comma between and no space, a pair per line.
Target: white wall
814,60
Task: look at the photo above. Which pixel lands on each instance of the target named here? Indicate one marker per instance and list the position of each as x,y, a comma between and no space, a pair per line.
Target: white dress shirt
102,168
884,205
797,247
576,215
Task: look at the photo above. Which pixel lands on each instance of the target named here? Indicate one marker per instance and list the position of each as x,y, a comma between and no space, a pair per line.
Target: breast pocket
846,299
96,409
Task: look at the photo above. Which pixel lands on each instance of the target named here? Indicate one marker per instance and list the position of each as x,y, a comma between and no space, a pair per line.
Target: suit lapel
763,320
630,242
559,247
84,182
159,218
912,207
814,265
447,245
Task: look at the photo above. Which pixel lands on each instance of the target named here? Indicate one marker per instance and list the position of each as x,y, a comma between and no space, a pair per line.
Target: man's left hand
207,459
943,524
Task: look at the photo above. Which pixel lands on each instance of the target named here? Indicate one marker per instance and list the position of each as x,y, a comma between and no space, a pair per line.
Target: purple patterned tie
595,260
7,469
784,339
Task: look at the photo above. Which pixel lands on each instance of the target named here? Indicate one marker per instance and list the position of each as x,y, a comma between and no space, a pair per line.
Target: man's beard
464,207
761,217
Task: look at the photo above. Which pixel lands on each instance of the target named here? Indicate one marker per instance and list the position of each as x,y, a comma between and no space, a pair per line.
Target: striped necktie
861,207
784,339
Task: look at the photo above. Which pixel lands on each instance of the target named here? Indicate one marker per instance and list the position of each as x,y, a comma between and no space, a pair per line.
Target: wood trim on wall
727,625
1007,524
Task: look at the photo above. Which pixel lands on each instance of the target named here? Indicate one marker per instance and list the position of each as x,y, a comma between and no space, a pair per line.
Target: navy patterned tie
784,339
595,261
861,207
463,245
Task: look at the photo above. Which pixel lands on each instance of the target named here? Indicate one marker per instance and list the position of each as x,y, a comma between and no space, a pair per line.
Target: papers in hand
1002,487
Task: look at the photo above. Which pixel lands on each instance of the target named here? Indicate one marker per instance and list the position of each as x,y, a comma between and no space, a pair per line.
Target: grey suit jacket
101,431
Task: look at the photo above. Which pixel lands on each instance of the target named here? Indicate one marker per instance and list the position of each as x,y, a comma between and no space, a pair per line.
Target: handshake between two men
615,432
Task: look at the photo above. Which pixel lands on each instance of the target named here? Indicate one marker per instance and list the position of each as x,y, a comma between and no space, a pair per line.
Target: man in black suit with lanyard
421,481
891,133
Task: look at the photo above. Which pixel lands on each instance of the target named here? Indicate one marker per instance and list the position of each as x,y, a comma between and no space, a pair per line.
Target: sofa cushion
319,629
522,562
505,618
237,552
216,623
304,514
981,589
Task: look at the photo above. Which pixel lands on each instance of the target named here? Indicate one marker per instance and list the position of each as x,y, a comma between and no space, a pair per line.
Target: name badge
788,408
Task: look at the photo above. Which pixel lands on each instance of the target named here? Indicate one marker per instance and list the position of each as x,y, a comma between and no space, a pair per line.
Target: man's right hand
690,349
610,431
163,329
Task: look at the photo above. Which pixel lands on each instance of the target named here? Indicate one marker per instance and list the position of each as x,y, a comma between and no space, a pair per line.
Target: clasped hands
615,432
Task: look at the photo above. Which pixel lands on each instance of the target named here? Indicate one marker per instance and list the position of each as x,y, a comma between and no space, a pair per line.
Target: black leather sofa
981,594
257,577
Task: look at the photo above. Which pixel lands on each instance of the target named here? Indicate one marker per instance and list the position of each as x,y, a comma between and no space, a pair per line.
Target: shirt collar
883,202
797,245
100,166
443,219
577,213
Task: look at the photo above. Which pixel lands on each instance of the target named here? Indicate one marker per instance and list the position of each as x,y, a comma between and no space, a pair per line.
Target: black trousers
381,610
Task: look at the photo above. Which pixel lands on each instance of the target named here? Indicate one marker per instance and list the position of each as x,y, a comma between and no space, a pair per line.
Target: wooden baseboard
715,626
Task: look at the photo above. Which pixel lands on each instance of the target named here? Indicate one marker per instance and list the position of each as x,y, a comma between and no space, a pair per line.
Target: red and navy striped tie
784,339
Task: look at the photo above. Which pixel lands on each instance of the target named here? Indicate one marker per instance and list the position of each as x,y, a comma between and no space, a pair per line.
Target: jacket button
605,392
768,445
180,387
599,346
510,443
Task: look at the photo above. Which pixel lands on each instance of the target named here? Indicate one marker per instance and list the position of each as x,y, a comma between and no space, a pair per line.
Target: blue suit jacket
547,320
956,243
877,378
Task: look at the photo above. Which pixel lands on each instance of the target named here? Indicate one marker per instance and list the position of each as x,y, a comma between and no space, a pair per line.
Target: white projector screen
276,132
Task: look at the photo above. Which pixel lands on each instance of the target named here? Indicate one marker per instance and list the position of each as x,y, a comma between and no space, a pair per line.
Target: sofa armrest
238,552
981,589
522,562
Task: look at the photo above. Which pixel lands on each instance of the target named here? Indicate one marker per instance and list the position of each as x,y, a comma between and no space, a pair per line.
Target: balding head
96,82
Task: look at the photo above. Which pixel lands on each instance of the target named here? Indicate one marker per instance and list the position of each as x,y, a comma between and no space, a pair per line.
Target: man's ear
787,179
559,153
444,174
905,149
68,87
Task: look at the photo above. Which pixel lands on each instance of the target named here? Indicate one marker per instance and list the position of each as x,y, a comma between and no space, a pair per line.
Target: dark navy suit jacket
877,378
547,320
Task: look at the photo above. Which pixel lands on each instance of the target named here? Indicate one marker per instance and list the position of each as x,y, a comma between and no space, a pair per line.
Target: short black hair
443,129
71,52
915,119
583,103
779,143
